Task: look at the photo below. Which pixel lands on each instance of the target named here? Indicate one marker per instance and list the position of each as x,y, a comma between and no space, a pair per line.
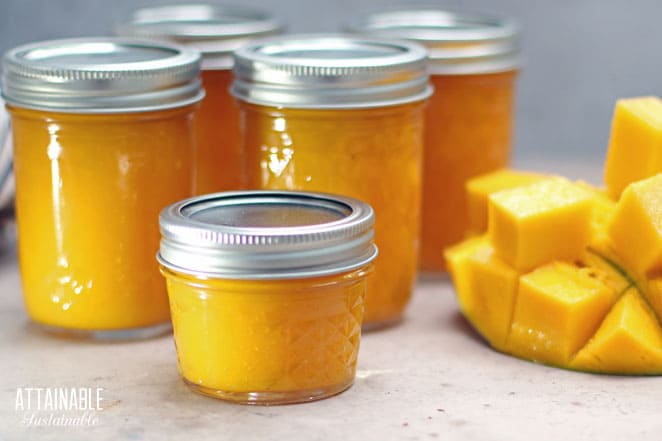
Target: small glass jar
267,292
216,31
103,140
473,66
342,115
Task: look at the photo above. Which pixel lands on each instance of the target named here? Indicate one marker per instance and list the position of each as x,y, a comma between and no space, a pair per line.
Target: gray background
579,56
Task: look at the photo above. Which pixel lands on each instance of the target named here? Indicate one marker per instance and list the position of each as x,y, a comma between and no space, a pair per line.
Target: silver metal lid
330,71
266,235
101,75
216,31
457,43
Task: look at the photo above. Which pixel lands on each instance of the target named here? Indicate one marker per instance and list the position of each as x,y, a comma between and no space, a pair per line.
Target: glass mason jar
473,66
342,115
103,140
267,292
216,31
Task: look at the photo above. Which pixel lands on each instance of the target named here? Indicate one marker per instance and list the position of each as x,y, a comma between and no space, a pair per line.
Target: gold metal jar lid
266,235
101,75
319,71
457,43
216,31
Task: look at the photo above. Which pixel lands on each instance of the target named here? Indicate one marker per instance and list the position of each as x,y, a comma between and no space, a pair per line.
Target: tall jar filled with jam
103,140
215,31
342,115
473,67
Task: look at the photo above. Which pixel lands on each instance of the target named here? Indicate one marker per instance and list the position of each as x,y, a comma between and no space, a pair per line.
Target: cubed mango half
635,145
541,222
559,307
479,188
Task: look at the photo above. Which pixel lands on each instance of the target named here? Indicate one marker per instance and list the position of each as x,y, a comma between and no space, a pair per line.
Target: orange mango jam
267,341
468,133
89,189
370,154
218,157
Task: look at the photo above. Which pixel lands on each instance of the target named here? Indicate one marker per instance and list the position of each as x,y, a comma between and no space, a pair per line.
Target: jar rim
458,43
266,235
215,30
330,71
101,75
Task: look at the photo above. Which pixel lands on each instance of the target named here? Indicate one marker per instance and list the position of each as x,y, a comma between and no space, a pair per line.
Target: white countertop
429,378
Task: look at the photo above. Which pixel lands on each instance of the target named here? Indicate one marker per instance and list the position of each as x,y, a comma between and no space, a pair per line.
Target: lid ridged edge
234,252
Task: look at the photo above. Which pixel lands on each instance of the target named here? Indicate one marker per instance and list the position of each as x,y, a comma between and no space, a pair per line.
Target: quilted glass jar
267,292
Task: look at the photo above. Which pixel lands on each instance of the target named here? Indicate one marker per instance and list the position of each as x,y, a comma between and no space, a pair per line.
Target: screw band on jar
266,235
457,43
330,71
101,75
216,31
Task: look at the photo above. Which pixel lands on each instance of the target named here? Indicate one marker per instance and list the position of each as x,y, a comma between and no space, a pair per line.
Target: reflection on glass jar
473,67
216,31
93,171
267,292
337,128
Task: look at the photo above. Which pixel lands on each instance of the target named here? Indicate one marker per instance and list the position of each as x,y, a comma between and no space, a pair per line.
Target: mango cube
635,145
541,222
636,227
629,341
603,208
456,258
558,307
486,289
479,188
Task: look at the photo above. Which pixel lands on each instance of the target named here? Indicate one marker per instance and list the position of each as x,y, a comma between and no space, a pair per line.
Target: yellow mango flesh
486,289
635,145
629,341
636,227
607,269
541,222
558,308
603,209
479,189
456,257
